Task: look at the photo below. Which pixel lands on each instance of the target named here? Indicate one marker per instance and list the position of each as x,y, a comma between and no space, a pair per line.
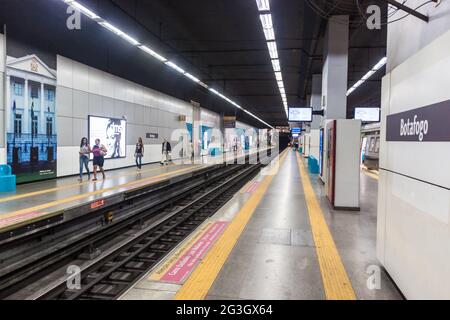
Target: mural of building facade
31,118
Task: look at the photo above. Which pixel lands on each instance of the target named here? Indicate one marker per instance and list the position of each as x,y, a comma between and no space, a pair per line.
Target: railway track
128,260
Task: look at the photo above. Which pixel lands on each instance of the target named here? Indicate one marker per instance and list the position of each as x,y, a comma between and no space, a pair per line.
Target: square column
316,99
196,122
316,104
335,67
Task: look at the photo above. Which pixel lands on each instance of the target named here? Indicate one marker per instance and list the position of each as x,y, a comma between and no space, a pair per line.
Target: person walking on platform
139,153
84,152
99,151
166,149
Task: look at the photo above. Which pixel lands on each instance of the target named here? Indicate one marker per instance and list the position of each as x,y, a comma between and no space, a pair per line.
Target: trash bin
7,179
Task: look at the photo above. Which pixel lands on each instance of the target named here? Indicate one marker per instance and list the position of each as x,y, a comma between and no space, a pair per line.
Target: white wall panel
95,81
413,233
64,101
423,72
2,53
314,143
80,104
65,72
417,246
2,155
108,85
80,76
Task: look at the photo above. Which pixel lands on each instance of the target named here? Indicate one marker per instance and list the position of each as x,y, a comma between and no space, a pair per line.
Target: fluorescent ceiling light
278,76
131,40
360,82
377,67
380,64
263,5
175,67
269,34
118,32
272,45
153,53
204,85
368,75
276,65
90,14
280,84
283,91
110,27
193,78
266,20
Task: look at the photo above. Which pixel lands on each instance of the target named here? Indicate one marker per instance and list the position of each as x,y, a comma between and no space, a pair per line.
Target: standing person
139,153
99,151
192,152
84,152
166,149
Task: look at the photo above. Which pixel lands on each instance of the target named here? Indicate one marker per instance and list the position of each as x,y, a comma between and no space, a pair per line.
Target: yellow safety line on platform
68,186
336,282
199,283
370,173
84,195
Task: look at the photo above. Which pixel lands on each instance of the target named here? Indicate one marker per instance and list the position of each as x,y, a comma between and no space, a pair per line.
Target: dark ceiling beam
240,79
243,51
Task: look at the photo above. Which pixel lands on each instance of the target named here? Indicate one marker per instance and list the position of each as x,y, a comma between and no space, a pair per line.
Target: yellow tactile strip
201,280
371,173
336,282
134,183
70,186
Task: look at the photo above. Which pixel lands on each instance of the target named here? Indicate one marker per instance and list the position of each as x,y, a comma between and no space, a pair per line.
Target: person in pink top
99,151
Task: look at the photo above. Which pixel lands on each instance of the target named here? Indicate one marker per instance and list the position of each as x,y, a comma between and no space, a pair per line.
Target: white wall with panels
413,234
84,91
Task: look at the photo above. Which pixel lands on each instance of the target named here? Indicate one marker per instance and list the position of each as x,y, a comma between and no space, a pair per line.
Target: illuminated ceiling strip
263,5
269,33
377,67
105,24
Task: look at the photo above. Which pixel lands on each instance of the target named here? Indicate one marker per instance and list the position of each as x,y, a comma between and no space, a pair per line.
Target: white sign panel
112,134
300,114
367,114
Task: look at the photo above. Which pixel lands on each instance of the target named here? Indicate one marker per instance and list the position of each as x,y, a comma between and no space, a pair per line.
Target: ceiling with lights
251,58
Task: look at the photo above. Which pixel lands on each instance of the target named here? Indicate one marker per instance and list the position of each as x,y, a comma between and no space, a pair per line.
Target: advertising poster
112,134
30,115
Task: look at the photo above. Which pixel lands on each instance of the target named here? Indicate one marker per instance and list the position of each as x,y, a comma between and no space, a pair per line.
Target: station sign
229,122
425,124
296,130
152,136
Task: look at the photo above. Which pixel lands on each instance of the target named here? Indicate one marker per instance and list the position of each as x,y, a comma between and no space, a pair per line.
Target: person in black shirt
139,153
166,150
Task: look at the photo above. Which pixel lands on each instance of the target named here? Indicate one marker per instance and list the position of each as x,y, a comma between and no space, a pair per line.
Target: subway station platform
43,200
278,238
38,205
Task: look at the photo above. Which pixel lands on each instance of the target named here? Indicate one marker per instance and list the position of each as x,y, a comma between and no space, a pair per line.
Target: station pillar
339,138
315,103
196,122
